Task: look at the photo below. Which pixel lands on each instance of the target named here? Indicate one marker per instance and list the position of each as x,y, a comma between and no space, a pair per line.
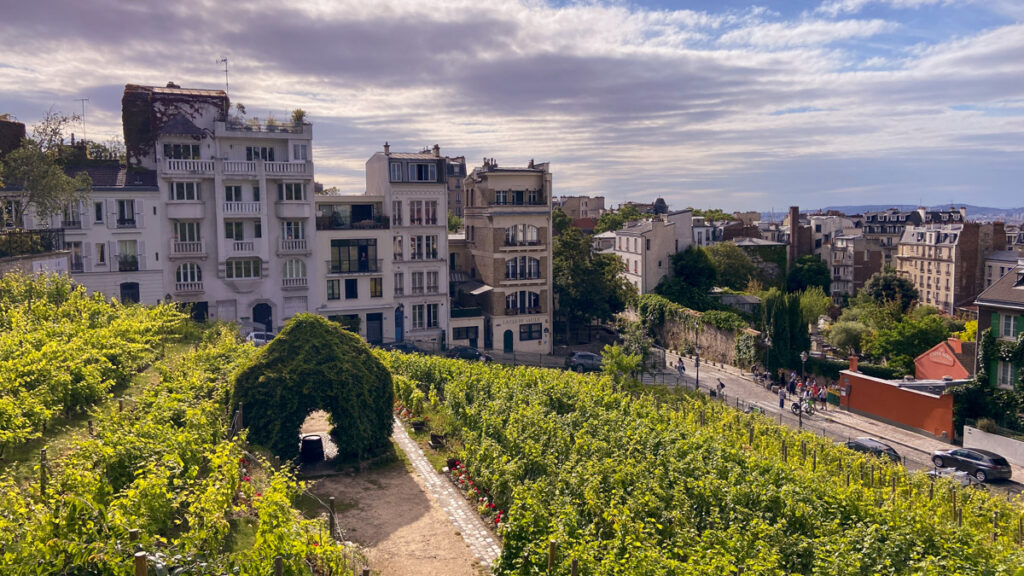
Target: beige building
852,259
456,174
576,207
646,247
508,253
944,261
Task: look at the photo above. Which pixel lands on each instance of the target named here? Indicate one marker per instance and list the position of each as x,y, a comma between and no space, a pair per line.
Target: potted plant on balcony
271,123
298,117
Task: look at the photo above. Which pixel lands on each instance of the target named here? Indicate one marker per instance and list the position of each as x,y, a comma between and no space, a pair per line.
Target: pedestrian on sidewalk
782,397
680,368
721,386
823,397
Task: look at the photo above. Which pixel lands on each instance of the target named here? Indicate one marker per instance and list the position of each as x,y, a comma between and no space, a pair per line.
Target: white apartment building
235,204
646,247
414,191
353,268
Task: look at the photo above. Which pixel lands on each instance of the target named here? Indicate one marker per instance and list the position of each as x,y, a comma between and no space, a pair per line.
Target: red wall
941,361
888,401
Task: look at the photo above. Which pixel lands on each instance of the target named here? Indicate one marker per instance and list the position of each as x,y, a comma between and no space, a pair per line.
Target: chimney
531,163
853,364
387,148
792,251
437,151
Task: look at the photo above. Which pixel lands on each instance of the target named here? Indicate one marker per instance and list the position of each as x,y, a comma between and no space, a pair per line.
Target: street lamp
767,358
803,362
696,364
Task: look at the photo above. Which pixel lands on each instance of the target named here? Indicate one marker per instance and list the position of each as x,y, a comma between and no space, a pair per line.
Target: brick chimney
437,151
792,251
387,148
853,364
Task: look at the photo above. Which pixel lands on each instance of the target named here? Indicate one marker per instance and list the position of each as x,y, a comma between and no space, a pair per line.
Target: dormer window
423,172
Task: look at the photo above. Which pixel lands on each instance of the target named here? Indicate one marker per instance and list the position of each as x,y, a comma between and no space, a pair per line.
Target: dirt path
403,529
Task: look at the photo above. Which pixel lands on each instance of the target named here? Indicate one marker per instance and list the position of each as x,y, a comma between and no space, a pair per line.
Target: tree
813,304
616,220
888,286
847,336
39,183
454,222
560,221
713,214
899,344
808,271
783,323
693,276
734,269
587,286
620,366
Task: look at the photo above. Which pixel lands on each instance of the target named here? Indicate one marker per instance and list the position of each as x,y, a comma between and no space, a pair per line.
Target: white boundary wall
1012,450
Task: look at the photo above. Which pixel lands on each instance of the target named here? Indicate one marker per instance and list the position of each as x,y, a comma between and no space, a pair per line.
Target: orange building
948,359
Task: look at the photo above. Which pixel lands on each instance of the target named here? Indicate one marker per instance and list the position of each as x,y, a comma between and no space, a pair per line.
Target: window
351,288
294,269
98,211
399,251
423,172
465,333
396,172
255,193
432,315
126,213
417,282
647,244
1004,375
233,230
376,287
333,289
525,235
300,152
399,283
432,284
259,153
1007,325
181,151
293,229
290,191
530,332
188,272
430,213
257,229
522,268
186,231
396,212
185,191
418,312
522,302
233,193
101,254
424,247
243,268
354,255
416,212
533,196
127,255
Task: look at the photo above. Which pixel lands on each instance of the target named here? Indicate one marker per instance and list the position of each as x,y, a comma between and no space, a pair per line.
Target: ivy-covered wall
983,398
723,336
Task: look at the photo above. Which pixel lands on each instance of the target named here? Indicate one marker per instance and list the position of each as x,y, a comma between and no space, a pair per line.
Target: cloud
835,8
701,107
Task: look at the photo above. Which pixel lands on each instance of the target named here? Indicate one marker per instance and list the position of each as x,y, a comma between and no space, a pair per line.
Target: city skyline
707,104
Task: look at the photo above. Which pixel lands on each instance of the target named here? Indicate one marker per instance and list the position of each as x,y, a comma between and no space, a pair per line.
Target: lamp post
696,364
767,353
803,363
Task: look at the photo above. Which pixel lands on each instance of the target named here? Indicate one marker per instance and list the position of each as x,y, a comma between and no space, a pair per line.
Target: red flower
315,544
245,479
258,494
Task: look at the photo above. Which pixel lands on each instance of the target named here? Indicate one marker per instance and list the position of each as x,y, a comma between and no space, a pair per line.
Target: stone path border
462,515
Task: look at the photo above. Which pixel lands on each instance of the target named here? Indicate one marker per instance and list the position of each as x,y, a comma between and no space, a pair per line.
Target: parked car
959,476
404,346
467,353
259,338
874,447
583,362
981,464
311,448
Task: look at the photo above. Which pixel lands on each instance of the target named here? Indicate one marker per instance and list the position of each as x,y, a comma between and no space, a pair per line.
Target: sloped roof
1007,292
950,357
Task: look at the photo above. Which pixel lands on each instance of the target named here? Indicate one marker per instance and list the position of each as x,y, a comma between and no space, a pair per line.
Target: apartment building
944,261
646,247
826,227
353,269
579,207
414,191
1001,310
886,227
852,259
508,253
456,174
235,204
998,264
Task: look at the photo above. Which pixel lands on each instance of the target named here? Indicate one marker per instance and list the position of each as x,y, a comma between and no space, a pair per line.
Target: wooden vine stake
814,460
573,568
803,451
42,473
278,566
551,556
995,525
141,566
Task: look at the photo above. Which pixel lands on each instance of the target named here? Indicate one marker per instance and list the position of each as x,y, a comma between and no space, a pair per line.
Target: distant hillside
980,213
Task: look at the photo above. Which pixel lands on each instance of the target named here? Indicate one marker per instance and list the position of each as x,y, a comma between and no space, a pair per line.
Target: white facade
415,196
646,247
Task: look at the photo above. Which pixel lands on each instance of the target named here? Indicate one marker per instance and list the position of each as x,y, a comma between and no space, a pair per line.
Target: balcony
188,287
187,249
292,283
243,246
515,311
245,167
176,166
417,290
339,223
353,266
466,312
77,264
287,246
243,208
185,210
292,209
287,168
125,223
127,264
71,224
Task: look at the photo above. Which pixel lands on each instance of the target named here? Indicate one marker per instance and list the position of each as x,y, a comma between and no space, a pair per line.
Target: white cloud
838,7
806,33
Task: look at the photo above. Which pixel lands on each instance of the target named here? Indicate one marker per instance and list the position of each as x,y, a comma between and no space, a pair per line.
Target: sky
711,104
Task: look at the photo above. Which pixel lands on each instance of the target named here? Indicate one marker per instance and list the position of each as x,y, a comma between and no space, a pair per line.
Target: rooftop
1007,292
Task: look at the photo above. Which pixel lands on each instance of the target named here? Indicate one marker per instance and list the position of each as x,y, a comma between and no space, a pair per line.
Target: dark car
981,464
311,448
873,447
467,353
404,346
583,362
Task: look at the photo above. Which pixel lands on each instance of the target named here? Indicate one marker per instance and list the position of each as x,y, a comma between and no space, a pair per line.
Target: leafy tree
783,323
969,333
587,286
813,304
847,336
560,221
713,214
620,366
693,276
808,271
454,222
888,286
316,364
733,267
900,343
616,220
636,341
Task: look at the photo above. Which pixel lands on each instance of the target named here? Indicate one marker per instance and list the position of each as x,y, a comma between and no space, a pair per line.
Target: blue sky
710,104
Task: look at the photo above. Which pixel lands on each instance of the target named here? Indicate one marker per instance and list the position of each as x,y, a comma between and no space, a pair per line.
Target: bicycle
802,406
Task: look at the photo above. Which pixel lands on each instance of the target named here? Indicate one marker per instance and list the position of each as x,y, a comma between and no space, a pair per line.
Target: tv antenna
224,61
83,101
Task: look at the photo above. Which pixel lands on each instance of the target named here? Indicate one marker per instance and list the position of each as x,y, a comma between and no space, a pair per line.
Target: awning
476,288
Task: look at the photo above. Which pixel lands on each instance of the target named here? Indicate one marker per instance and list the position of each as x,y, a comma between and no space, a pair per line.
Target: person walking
782,397
823,398
721,387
